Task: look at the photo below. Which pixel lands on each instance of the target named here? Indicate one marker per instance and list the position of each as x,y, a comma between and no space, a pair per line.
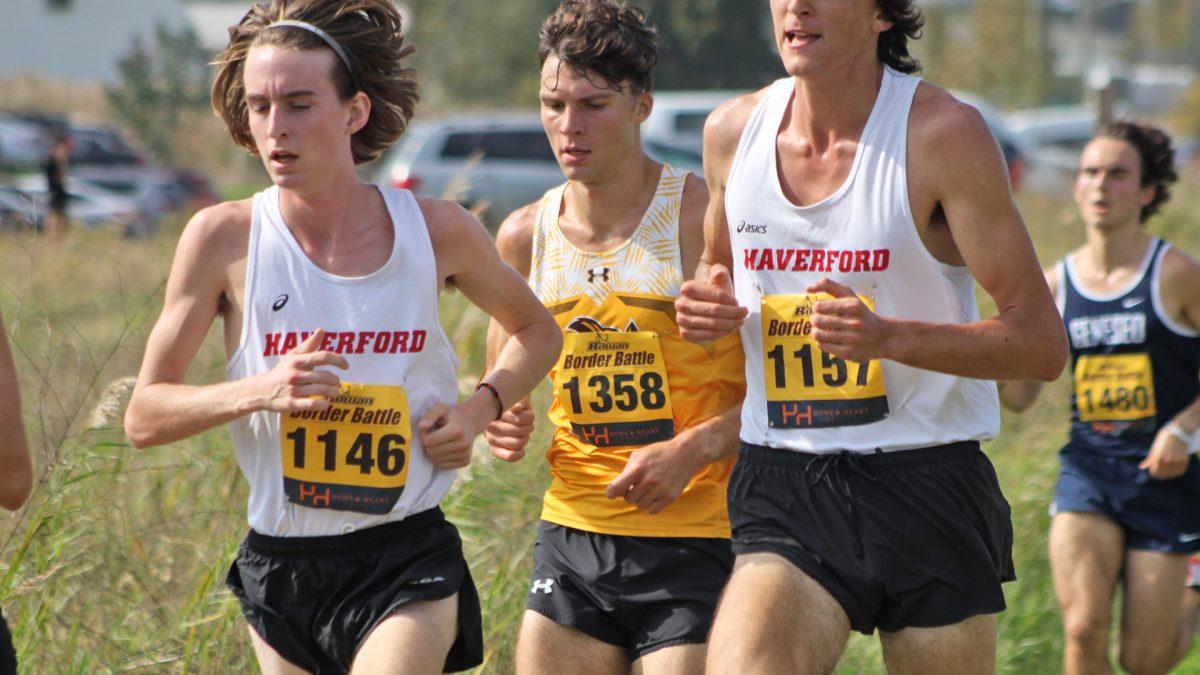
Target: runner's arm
467,258
1026,339
16,470
508,436
707,308
657,474
1018,395
162,409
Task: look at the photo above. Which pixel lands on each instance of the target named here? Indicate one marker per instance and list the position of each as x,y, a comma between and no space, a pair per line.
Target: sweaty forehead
562,80
271,69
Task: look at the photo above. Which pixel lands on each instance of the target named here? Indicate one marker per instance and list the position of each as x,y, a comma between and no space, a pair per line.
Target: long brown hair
370,34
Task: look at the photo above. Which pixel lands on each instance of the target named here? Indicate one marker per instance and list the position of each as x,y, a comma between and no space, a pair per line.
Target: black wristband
495,395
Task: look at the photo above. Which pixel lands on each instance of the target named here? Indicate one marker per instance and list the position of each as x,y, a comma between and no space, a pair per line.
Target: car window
520,145
690,123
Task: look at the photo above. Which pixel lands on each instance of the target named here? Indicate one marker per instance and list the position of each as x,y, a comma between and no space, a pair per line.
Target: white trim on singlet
1156,298
248,284
1116,295
1060,287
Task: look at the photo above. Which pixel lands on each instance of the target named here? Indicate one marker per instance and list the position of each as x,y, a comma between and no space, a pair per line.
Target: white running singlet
863,236
359,464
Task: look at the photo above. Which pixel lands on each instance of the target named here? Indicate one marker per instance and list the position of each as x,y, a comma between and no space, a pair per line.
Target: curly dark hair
1158,159
602,37
906,22
368,31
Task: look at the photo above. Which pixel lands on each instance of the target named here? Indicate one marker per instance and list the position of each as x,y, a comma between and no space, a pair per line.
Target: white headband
337,49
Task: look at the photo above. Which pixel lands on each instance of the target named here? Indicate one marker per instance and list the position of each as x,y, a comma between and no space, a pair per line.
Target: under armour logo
544,585
598,273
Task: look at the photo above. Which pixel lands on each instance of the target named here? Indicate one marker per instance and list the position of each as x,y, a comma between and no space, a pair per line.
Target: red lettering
382,342
862,261
594,436
751,256
801,260
363,338
768,260
791,412
818,260
846,261
783,256
272,348
327,342
309,492
345,342
880,259
418,341
399,341
289,342
830,260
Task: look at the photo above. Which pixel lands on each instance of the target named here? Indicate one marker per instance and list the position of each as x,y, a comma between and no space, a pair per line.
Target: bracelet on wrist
495,395
1191,441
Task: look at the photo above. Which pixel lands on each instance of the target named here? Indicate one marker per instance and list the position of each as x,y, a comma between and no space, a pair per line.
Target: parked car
496,162
1057,135
678,117
23,144
93,206
103,147
18,210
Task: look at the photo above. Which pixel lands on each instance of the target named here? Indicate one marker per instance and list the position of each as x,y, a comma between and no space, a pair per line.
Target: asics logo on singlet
751,228
598,273
279,302
544,585
586,324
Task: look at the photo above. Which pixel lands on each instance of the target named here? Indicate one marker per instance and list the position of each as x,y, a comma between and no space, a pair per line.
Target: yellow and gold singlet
625,379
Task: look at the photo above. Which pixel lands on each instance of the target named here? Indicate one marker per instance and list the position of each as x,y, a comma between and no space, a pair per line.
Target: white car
92,206
677,118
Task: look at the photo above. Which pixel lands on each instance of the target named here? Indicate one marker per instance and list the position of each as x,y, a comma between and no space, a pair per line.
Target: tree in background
484,53
161,91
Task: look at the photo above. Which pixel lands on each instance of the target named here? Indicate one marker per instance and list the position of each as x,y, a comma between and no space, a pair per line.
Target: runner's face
1108,188
592,127
814,35
300,125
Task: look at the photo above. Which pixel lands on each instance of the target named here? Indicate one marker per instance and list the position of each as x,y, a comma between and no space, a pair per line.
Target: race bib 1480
351,457
807,388
613,387
1114,388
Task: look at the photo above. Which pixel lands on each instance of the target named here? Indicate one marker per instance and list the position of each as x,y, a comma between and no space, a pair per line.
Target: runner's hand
295,384
446,434
655,476
509,435
708,310
1168,457
845,326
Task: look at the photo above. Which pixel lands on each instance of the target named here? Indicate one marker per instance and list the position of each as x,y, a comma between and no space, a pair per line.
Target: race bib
1114,388
351,457
806,387
613,387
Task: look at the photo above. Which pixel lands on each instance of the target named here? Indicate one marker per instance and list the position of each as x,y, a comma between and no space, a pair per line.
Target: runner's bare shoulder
724,126
217,236
939,121
514,239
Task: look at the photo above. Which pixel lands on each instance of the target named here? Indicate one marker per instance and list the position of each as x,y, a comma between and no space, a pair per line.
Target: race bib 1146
351,457
807,388
613,387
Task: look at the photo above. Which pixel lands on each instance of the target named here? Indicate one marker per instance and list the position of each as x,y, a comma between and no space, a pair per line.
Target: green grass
117,563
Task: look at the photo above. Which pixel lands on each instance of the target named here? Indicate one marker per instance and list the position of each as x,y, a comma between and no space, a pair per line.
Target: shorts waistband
897,459
267,544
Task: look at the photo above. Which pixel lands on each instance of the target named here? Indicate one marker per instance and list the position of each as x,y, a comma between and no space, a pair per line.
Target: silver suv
494,163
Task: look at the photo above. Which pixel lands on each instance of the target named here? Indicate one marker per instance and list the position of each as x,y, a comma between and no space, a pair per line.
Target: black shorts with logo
8,653
316,599
914,538
640,593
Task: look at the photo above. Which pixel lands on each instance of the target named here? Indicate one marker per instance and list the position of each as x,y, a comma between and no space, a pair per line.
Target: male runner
349,561
1127,504
633,547
16,471
857,206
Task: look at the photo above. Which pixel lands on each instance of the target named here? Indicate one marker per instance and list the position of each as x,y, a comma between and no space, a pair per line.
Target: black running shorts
316,599
8,654
640,593
915,538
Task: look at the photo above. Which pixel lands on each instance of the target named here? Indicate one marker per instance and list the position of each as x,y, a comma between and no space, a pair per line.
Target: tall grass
117,563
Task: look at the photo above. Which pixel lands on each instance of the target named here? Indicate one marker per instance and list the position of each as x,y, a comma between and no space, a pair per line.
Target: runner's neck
834,106
605,214
332,217
1118,252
